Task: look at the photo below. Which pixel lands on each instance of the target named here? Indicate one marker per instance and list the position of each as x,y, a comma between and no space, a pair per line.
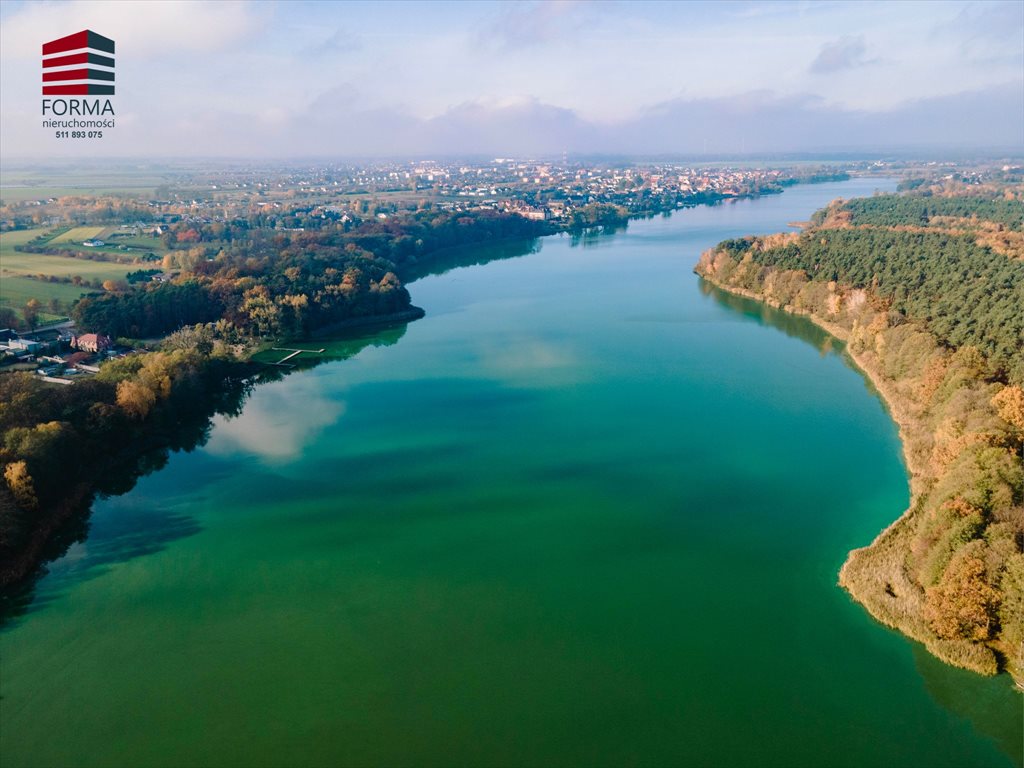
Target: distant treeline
910,210
815,176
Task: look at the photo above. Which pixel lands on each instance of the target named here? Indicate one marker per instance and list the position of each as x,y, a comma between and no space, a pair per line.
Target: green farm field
17,263
16,287
18,237
149,243
16,290
39,184
14,262
10,195
77,234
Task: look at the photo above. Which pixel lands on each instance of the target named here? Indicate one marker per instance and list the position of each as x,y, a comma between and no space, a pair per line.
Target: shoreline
369,321
33,556
885,392
848,577
27,563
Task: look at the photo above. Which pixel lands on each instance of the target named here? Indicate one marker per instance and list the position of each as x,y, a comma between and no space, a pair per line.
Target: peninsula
926,289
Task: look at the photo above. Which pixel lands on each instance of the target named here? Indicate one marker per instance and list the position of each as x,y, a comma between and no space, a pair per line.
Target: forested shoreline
63,445
934,318
225,291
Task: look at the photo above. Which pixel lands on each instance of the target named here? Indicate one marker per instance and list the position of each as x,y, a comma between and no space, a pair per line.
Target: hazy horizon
355,80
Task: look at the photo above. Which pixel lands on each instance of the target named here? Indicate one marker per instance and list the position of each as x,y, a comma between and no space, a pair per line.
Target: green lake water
586,512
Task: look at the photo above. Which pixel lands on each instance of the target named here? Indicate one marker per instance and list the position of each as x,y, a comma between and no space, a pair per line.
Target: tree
1009,404
963,604
11,519
1011,610
262,310
192,337
31,313
21,485
292,317
135,398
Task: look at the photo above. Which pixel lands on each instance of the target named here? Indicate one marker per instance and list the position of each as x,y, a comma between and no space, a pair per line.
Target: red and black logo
72,64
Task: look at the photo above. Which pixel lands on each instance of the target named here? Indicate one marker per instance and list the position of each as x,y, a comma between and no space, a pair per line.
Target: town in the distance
113,230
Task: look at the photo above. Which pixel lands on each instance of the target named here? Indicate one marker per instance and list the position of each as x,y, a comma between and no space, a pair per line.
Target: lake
588,511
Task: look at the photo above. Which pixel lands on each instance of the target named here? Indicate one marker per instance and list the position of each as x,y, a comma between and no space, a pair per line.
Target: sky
290,79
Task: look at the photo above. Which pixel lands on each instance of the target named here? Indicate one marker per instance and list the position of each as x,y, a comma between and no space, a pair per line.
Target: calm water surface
586,512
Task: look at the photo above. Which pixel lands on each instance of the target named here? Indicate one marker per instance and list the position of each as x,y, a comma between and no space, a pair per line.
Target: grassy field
14,262
139,244
14,194
77,235
9,256
18,237
149,242
16,290
21,184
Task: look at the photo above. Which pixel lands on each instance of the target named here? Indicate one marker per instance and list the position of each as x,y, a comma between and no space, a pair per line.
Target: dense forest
963,293
937,321
292,283
922,209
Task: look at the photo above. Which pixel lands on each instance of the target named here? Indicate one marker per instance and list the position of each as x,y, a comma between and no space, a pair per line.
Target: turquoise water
586,512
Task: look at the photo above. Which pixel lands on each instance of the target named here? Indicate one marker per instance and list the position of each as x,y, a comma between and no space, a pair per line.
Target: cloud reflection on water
279,420
531,362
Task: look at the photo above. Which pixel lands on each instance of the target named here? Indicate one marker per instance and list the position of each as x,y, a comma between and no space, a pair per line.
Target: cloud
273,79
336,125
141,30
765,122
844,53
986,32
342,40
528,24
344,121
757,121
531,126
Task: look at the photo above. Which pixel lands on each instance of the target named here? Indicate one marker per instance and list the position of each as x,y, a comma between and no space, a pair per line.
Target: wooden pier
292,353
